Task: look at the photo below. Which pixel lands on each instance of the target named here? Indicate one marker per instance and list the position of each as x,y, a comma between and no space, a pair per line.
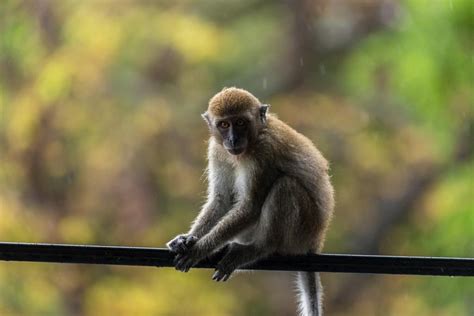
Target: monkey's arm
221,179
219,201
235,221
210,214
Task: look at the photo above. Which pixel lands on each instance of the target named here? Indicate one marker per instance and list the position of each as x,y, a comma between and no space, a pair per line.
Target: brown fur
231,101
273,197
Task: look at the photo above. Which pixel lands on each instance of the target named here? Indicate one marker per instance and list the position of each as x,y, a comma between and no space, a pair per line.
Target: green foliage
424,63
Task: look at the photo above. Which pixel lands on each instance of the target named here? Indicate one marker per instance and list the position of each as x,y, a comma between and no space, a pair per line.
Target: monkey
269,192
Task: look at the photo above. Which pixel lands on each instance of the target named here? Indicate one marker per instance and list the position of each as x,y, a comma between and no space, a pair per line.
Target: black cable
138,256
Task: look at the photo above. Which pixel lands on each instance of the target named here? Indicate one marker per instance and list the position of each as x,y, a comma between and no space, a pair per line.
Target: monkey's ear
263,112
206,118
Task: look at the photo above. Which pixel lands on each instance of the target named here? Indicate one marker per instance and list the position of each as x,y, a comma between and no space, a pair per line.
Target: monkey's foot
181,243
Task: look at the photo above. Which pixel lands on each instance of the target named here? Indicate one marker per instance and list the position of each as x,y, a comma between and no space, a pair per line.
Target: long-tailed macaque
269,193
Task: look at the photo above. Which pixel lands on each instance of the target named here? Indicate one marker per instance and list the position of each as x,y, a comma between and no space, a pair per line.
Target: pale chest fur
230,175
244,172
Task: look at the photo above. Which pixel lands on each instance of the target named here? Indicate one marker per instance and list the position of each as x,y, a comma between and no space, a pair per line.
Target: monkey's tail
310,294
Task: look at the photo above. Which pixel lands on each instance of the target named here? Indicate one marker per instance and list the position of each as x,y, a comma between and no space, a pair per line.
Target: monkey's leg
295,227
237,256
282,227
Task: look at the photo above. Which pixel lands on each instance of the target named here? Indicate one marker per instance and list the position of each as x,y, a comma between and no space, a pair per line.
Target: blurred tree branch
310,48
47,21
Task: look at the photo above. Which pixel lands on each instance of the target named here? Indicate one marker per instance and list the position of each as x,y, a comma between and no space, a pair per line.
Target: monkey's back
295,156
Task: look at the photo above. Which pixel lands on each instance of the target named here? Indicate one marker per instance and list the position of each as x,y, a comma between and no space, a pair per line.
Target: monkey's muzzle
235,150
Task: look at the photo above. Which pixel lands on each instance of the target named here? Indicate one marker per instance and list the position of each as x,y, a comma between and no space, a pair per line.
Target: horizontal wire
159,257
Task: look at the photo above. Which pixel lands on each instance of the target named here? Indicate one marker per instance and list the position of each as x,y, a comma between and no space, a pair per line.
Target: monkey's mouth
236,150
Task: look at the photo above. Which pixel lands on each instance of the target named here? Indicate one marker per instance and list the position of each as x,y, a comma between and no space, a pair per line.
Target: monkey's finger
219,276
178,244
185,267
190,241
171,245
191,262
180,261
215,276
178,257
181,266
178,265
184,264
226,277
181,246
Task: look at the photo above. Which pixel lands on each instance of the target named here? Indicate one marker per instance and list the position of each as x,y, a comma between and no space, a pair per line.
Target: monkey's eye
240,122
224,124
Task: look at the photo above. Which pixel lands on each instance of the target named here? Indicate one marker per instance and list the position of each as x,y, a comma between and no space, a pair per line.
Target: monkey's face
234,132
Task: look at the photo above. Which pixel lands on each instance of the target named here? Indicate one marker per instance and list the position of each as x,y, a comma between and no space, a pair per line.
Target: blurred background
101,142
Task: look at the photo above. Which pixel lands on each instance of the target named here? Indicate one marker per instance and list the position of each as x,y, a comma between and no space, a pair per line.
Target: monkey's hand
186,260
181,243
222,272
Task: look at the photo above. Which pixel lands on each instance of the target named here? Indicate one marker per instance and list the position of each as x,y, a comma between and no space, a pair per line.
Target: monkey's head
235,117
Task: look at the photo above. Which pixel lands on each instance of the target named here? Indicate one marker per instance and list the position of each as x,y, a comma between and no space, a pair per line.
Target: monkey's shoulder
282,133
290,144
